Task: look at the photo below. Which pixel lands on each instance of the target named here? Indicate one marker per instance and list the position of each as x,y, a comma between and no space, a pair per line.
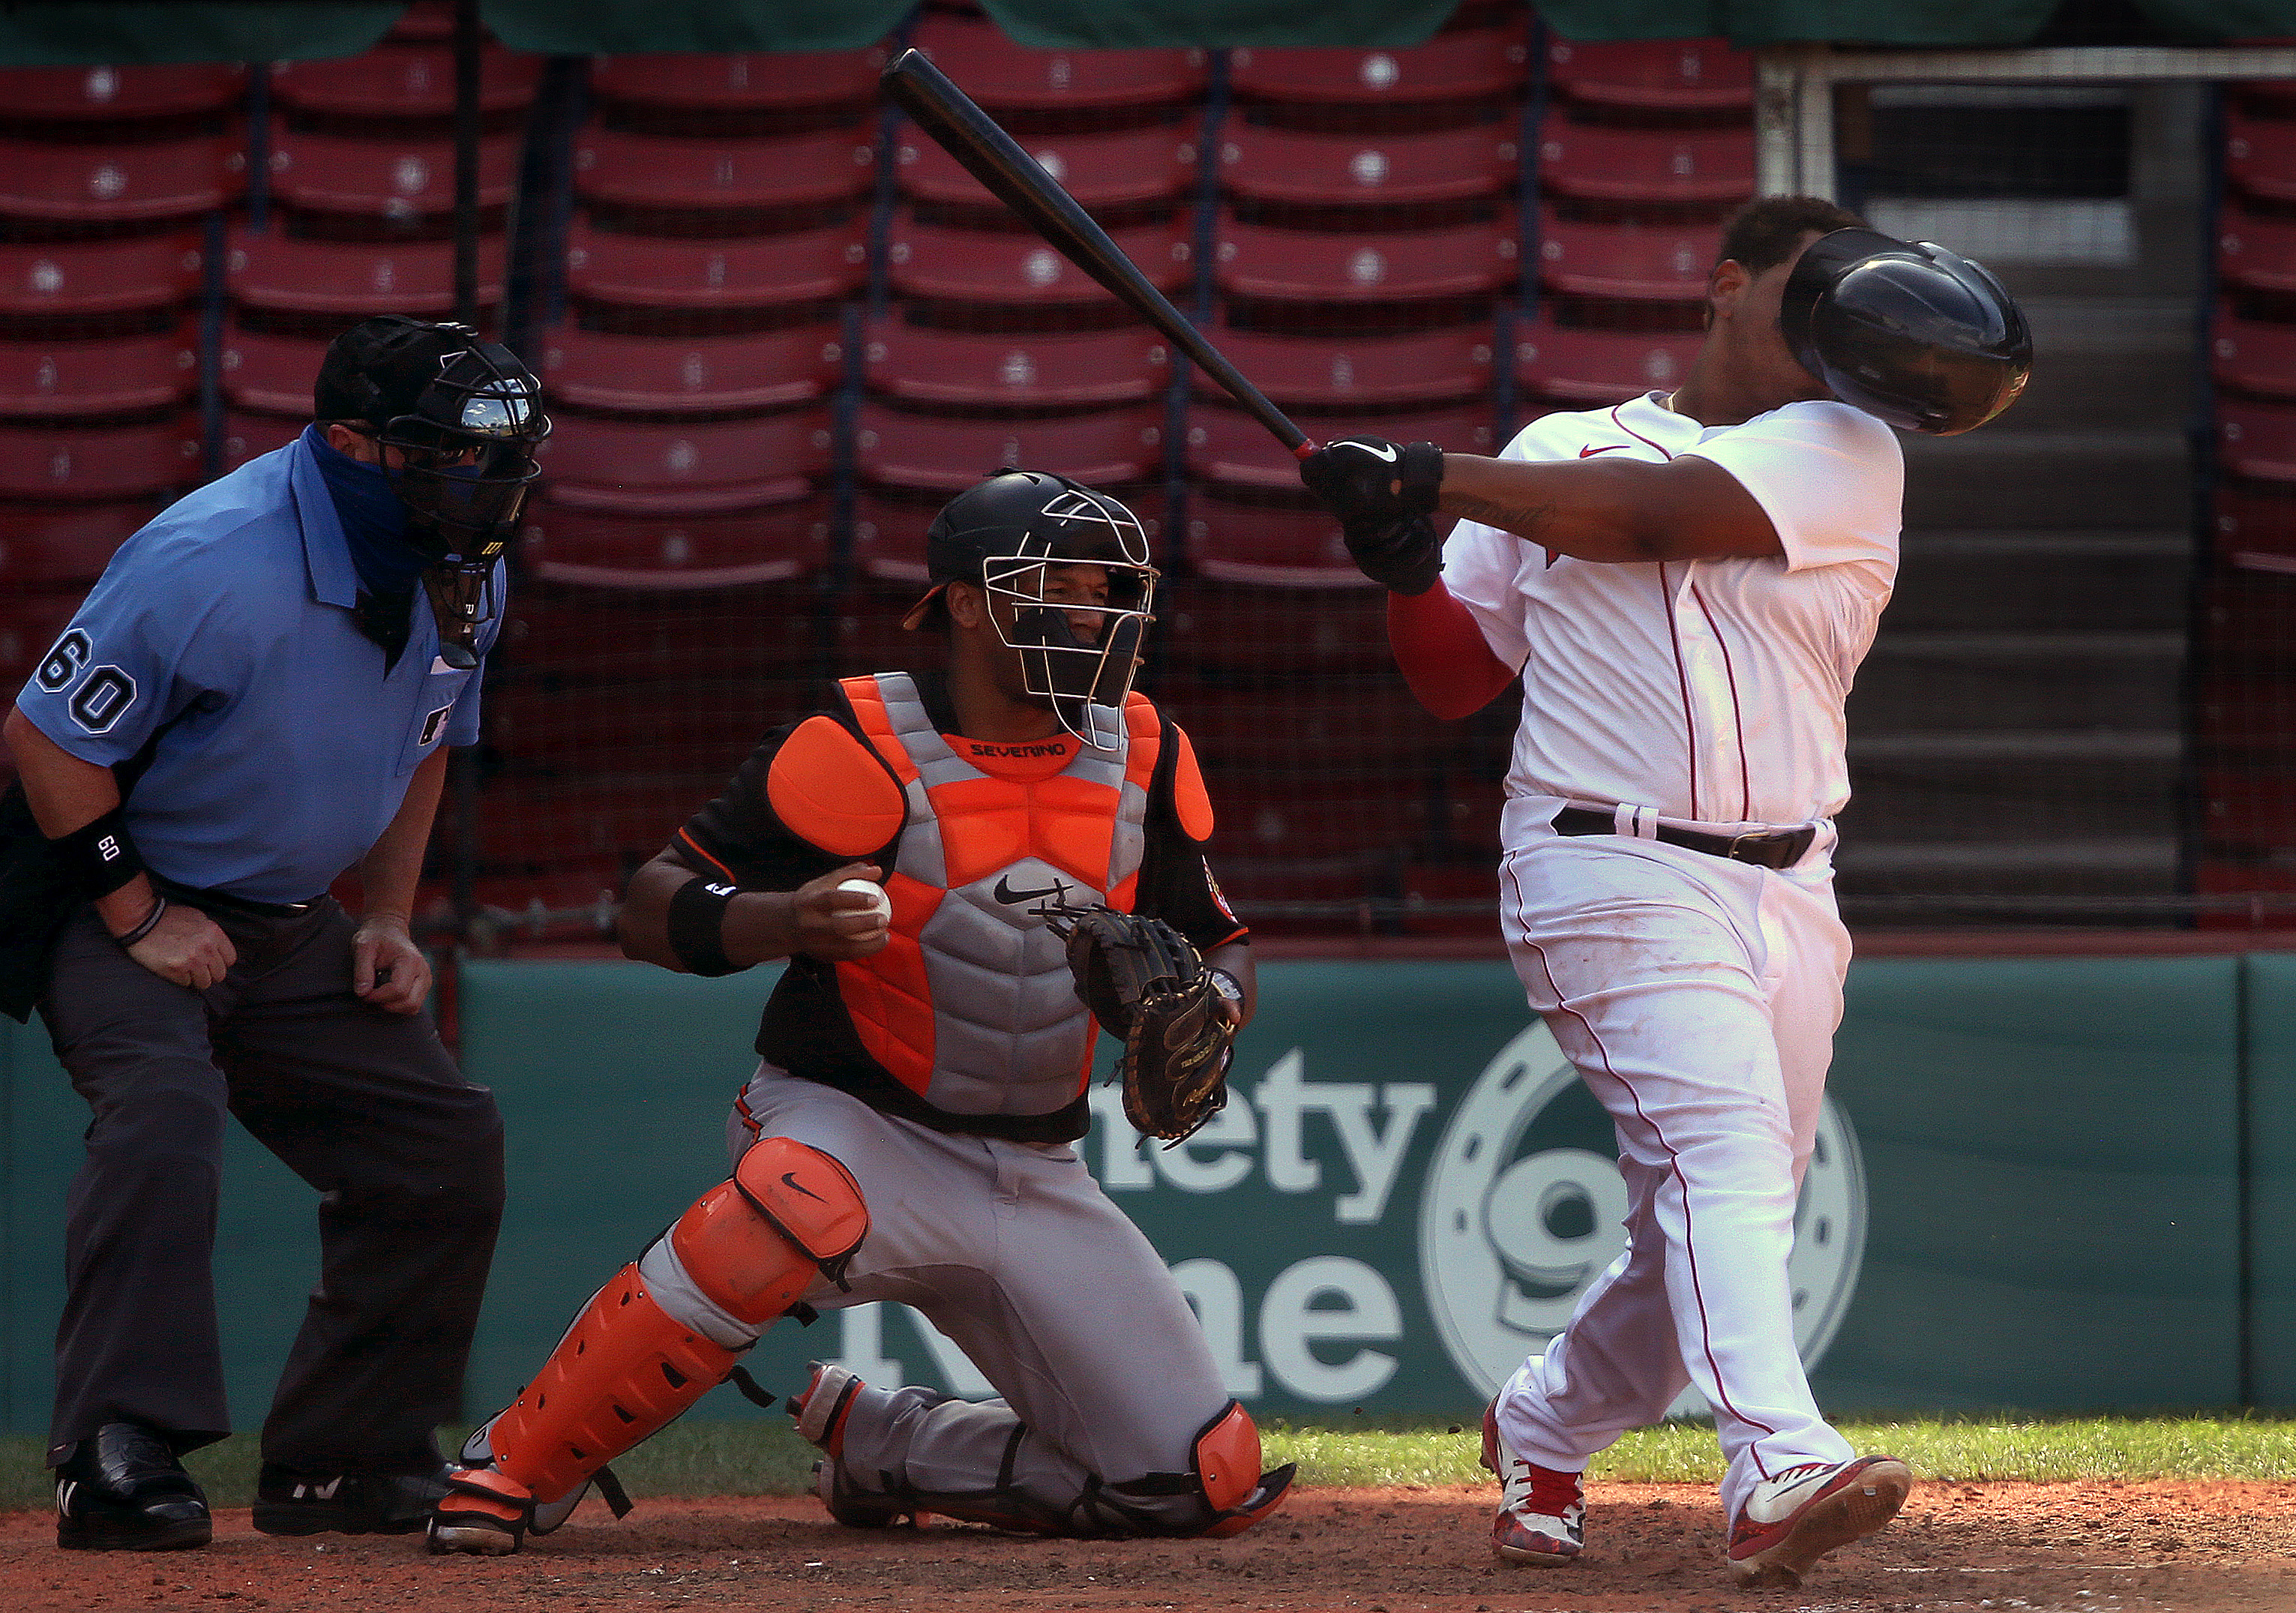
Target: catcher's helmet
1003,536
1917,336
466,417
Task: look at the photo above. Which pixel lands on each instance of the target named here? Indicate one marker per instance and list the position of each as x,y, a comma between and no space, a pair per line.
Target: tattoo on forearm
1524,520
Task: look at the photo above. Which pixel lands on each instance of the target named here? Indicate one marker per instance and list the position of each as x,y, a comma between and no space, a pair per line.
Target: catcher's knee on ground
661,1334
1223,1493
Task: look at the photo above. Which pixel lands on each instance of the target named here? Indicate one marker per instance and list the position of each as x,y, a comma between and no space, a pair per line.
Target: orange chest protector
970,1005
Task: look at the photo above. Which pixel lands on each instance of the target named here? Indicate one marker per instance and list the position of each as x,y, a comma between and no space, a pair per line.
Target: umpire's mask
466,418
1922,338
1017,534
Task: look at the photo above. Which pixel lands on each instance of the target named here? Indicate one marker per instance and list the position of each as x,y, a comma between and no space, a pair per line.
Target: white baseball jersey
1698,997
1709,691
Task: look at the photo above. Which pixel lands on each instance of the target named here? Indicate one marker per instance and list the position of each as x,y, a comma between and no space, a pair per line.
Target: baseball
881,905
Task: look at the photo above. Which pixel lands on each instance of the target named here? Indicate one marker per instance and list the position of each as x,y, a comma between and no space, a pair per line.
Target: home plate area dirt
1998,1548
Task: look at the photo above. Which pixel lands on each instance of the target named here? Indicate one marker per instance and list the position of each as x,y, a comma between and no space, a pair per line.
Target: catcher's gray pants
1013,1250
362,1104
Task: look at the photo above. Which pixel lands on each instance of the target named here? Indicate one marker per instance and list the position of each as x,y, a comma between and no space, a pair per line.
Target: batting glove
1368,479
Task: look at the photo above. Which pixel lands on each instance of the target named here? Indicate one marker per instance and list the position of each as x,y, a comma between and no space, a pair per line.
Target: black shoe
287,1503
124,1491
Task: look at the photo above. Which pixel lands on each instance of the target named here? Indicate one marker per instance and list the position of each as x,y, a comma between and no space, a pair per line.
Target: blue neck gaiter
373,521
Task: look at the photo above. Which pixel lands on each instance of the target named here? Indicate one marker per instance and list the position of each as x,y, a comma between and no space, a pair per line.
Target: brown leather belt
1764,850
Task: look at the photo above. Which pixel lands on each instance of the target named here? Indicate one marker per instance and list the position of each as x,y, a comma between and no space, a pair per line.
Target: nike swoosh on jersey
1386,453
1008,896
1610,448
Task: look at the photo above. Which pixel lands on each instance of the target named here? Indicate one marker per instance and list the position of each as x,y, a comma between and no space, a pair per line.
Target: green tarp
56,32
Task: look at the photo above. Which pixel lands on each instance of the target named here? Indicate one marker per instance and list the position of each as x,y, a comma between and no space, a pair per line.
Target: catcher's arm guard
1146,987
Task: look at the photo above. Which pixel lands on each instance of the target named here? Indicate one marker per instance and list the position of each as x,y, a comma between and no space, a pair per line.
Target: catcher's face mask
466,458
1043,594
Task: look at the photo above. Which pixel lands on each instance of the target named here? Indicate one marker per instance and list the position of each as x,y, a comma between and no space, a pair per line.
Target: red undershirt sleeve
1442,654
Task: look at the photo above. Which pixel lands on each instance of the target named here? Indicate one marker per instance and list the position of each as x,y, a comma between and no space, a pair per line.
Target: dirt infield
2097,1548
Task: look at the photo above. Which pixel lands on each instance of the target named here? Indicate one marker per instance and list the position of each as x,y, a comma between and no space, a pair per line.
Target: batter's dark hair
1763,234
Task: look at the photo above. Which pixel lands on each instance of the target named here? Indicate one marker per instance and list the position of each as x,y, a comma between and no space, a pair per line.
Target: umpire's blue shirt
225,626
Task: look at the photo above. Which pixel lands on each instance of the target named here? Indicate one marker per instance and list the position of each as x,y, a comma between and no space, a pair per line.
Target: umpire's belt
1783,849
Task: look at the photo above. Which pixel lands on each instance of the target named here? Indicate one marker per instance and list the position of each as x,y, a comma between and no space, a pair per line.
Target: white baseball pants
1698,998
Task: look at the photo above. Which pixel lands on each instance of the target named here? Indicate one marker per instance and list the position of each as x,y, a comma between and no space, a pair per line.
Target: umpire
256,696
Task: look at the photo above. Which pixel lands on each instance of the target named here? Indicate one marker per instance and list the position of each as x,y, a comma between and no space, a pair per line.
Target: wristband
1225,984
100,852
146,925
697,926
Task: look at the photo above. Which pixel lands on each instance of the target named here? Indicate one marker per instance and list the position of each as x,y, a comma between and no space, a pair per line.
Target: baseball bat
1019,182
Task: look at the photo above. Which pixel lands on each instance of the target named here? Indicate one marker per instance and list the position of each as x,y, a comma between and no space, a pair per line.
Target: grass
767,1459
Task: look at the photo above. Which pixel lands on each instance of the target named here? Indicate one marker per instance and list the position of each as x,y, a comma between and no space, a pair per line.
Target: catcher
908,1134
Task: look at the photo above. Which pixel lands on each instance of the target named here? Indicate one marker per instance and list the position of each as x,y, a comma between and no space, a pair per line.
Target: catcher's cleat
857,1511
823,1405
123,1490
1542,1517
485,1513
1791,1521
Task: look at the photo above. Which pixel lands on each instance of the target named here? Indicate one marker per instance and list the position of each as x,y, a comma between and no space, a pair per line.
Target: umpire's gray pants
1013,1250
362,1104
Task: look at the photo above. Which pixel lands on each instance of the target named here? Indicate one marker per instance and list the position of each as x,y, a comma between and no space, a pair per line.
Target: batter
1685,585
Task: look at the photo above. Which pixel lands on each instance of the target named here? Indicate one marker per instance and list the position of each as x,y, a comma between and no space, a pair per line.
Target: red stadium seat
1228,445
740,82
608,636
631,273
691,374
98,464
1359,372
1237,629
1006,77
707,729
1601,163
1654,75
247,437
783,533
967,369
2256,527
1000,267
64,545
628,467
1470,65
1295,545
270,375
157,183
2257,439
1581,367
1285,166
399,179
350,280
2256,251
1632,262
1319,266
401,81
2253,355
423,21
1340,734
938,453
2260,154
73,282
107,95
653,174
618,819
1259,815
1126,171
113,375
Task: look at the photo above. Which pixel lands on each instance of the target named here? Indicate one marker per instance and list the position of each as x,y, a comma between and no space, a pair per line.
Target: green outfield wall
2042,1184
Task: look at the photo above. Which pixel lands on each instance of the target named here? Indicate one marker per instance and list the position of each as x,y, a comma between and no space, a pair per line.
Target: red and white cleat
1542,1516
1791,1521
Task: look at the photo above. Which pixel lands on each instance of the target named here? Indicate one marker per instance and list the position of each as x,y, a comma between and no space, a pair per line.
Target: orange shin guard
621,1374
750,1247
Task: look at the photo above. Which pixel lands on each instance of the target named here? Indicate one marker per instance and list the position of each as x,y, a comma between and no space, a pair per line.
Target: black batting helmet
1917,336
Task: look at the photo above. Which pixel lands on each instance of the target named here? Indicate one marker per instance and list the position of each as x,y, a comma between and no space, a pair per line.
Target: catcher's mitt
1147,988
